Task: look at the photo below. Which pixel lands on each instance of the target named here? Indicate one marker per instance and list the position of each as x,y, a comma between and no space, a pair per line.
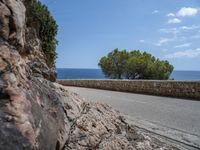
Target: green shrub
39,17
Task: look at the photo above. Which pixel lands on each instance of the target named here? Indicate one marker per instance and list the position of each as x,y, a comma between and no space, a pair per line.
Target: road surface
175,118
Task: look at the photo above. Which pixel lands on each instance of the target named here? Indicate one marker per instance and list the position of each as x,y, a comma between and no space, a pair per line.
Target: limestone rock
4,24
17,21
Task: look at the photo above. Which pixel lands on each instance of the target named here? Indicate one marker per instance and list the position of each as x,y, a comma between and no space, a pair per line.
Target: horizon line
100,69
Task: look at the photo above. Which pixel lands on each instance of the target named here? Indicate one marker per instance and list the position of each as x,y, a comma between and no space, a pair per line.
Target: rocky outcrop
38,114
98,126
13,21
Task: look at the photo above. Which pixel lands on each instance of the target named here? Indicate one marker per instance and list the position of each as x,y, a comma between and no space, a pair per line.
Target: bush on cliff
134,65
39,17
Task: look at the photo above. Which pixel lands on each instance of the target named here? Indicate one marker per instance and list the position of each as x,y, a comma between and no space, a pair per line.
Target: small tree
114,64
134,65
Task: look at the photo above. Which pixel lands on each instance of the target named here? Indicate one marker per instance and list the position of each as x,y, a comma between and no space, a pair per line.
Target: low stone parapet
179,89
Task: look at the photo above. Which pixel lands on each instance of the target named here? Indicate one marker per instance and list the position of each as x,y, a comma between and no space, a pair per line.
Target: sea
69,73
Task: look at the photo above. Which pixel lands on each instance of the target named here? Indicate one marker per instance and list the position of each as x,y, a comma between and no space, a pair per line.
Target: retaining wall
180,89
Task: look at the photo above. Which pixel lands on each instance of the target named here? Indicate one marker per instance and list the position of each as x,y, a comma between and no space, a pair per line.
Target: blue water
185,75
79,74
64,73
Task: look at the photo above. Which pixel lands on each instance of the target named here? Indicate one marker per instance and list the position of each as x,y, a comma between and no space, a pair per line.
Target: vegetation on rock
134,65
39,17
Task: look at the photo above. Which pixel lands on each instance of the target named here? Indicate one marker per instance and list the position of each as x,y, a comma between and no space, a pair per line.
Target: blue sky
89,29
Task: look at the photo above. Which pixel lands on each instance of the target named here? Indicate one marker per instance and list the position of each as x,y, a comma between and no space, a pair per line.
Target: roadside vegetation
39,18
134,65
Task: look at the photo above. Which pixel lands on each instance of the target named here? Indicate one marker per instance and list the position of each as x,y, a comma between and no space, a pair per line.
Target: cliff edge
36,113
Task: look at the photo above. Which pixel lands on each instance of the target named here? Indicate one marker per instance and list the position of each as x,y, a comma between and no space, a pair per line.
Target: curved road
175,118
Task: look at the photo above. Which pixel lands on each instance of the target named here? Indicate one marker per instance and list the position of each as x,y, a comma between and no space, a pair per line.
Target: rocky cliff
36,113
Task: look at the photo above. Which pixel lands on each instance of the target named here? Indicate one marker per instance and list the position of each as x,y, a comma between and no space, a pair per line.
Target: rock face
38,114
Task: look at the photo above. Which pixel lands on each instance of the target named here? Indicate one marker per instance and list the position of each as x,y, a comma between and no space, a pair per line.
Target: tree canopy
134,65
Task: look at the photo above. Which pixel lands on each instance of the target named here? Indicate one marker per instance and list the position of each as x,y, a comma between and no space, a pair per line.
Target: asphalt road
170,116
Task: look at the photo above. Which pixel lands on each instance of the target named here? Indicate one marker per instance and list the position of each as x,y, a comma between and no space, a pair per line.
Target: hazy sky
89,29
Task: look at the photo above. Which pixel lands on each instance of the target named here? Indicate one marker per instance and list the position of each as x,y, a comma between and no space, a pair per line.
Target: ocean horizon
76,73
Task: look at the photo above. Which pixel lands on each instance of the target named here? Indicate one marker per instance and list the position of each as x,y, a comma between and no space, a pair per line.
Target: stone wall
180,89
